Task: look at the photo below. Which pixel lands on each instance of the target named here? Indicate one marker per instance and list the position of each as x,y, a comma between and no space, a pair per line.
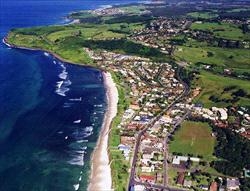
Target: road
132,180
159,187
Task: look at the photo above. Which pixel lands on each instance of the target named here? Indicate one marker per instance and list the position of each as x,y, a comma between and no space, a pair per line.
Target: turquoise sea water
50,112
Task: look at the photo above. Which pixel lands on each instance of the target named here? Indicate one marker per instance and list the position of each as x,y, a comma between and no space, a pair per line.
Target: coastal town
152,118
158,107
183,115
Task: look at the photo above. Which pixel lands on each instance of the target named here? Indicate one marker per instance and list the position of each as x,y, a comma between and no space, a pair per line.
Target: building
233,184
222,112
178,159
147,178
187,183
204,187
125,150
148,168
138,188
247,173
213,186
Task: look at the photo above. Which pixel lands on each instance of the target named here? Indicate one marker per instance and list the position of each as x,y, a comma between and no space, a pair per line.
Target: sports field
194,138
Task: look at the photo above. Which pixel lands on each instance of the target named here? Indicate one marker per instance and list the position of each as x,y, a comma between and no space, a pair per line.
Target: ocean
50,112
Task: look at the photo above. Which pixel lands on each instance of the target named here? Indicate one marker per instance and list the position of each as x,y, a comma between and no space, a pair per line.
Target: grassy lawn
203,15
67,41
221,57
223,30
172,175
194,138
119,166
214,85
136,9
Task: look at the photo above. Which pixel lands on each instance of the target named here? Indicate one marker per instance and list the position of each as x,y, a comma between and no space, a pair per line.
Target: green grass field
222,57
119,166
136,9
194,138
213,85
67,41
223,30
203,15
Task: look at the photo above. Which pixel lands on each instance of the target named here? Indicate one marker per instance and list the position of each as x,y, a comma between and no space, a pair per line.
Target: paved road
132,180
159,187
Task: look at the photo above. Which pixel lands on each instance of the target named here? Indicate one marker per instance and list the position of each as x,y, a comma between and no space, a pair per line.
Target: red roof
147,178
246,134
213,186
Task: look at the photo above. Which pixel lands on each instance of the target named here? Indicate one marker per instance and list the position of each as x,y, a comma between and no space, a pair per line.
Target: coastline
101,179
5,41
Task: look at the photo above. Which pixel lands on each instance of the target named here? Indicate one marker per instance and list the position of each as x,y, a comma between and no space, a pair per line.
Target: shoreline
100,178
5,41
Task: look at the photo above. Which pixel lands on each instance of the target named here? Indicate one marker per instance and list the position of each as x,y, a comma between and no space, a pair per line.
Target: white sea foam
89,129
78,160
99,105
67,83
62,91
77,121
76,186
67,105
59,84
76,99
46,54
82,141
63,75
62,87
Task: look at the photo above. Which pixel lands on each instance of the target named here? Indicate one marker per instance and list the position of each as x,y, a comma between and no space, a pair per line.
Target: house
222,112
247,173
233,183
204,187
195,159
246,134
148,168
147,178
147,156
187,183
125,140
213,186
222,188
138,188
180,178
177,159
125,150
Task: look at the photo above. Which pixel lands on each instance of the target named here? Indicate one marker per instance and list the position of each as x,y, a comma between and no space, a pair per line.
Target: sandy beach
100,179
